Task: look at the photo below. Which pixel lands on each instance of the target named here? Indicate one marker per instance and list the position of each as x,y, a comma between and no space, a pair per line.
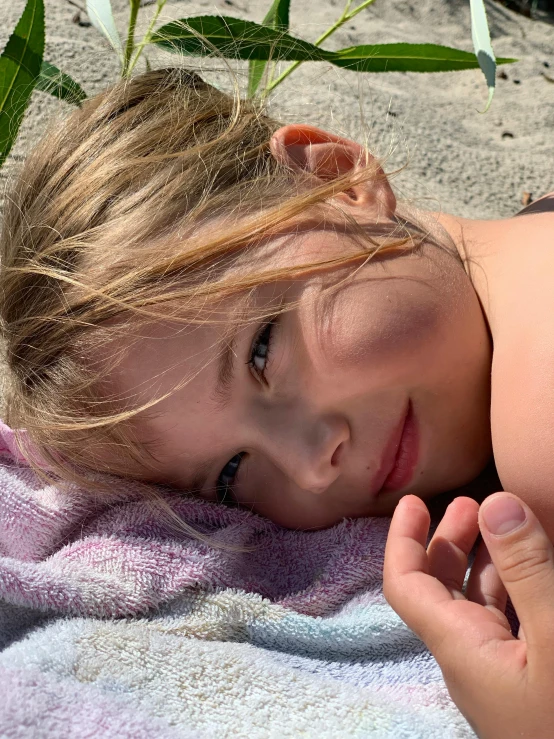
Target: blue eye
261,348
224,487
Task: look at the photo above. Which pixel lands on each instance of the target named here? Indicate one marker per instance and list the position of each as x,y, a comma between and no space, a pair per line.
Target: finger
407,586
452,542
485,586
524,559
453,630
405,548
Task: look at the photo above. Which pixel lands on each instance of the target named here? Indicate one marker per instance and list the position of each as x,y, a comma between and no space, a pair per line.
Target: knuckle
451,583
526,561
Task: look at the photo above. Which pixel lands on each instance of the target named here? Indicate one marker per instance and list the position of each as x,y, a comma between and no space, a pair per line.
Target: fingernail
503,515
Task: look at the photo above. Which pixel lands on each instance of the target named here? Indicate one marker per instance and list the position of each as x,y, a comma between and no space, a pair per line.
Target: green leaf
277,17
406,58
59,84
256,71
233,38
101,17
20,65
482,45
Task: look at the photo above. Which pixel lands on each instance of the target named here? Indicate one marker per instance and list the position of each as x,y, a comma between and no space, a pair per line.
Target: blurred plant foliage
264,45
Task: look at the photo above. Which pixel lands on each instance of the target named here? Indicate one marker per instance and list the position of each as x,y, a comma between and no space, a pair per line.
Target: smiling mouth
406,458
400,456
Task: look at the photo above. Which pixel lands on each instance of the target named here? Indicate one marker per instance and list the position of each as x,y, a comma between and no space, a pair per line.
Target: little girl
194,295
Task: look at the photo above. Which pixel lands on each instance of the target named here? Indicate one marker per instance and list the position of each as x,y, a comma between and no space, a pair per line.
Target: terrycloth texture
112,625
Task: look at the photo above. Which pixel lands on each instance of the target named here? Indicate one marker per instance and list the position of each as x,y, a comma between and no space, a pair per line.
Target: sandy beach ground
464,162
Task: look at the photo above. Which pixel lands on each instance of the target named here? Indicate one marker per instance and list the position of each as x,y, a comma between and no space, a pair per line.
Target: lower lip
406,457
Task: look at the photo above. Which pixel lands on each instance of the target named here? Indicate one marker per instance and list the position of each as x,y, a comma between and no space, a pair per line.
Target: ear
325,156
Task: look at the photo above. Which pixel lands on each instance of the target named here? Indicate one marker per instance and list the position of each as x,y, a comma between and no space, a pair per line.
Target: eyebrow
225,368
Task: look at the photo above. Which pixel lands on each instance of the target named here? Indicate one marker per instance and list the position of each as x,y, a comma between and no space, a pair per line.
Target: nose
309,448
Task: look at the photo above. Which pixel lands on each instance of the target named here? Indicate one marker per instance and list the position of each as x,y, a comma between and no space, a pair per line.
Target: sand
457,159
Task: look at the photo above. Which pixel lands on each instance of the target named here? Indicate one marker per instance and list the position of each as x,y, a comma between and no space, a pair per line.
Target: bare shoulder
522,414
522,400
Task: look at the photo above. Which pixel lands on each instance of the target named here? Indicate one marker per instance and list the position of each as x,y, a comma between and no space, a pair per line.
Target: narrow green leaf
101,17
233,38
406,58
256,69
277,17
19,69
59,84
482,45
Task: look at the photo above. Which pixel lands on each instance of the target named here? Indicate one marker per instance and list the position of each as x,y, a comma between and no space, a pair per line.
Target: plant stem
130,45
146,38
271,67
345,17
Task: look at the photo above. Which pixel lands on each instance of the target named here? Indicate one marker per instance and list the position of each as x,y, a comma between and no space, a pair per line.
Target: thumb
524,559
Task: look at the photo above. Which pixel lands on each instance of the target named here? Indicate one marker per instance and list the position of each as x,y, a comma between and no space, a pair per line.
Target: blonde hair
105,221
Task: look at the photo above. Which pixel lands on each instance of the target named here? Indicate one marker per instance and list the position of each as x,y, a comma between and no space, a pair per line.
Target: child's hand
503,685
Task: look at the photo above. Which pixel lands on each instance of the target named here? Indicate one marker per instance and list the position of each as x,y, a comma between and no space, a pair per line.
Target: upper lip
388,457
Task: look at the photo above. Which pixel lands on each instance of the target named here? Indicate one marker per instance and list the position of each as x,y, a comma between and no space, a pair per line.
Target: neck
479,246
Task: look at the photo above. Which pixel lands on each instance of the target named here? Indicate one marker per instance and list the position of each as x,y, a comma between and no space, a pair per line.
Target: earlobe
323,155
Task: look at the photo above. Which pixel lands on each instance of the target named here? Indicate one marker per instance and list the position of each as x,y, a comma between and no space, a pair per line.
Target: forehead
154,354
173,360
143,359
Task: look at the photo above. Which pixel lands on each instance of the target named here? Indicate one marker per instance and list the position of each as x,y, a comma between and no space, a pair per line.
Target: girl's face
302,419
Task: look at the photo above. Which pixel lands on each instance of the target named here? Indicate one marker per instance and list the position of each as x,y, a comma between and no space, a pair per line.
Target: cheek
375,323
